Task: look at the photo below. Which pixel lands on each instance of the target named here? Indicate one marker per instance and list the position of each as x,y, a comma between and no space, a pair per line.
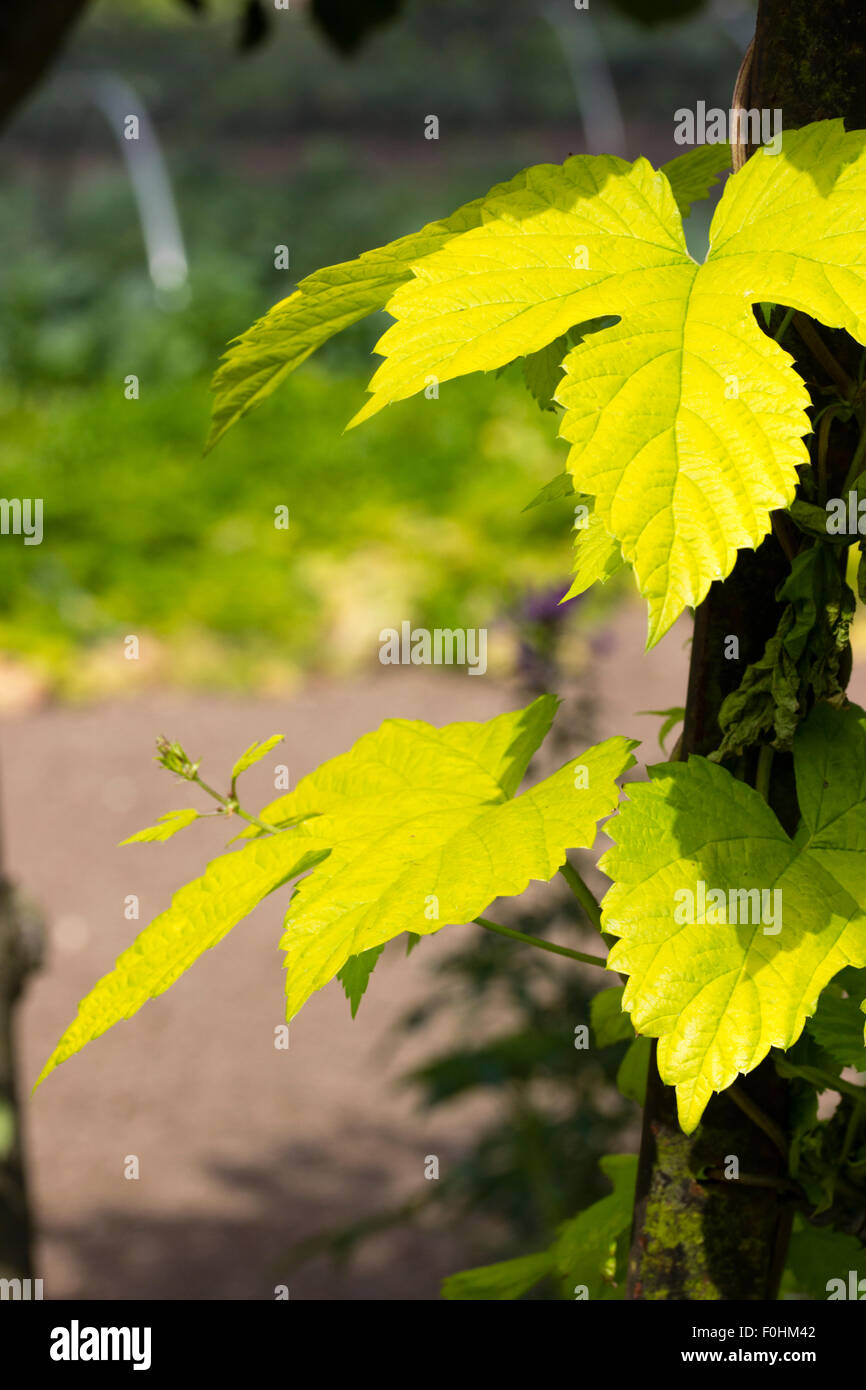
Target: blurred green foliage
417,516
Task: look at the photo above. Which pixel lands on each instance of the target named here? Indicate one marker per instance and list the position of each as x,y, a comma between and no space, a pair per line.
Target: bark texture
697,1236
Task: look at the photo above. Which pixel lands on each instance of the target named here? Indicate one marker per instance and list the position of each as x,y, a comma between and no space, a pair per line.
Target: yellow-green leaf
719,993
423,828
610,1024
168,825
525,275
200,915
337,296
254,753
686,421
597,556
693,174
324,303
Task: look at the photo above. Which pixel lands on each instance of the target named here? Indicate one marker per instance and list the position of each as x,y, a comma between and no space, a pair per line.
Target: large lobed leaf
686,421
337,296
838,1025
424,829
409,817
324,303
528,272
201,914
719,996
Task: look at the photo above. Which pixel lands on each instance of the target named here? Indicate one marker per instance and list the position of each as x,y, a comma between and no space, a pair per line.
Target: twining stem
782,533
587,900
851,1132
762,776
756,1114
543,945
783,326
819,350
823,441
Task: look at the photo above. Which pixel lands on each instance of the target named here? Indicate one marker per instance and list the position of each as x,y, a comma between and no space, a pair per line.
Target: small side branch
757,1116
587,900
541,943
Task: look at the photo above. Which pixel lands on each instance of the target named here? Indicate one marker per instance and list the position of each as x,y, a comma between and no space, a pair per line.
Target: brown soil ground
243,1149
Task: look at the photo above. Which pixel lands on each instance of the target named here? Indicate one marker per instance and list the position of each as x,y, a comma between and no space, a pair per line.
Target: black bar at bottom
84,1339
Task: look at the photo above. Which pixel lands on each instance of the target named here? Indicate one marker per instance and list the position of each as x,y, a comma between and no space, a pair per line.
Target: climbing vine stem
762,776
756,1114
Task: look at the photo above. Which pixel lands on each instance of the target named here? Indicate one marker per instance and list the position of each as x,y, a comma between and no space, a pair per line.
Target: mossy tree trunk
697,1235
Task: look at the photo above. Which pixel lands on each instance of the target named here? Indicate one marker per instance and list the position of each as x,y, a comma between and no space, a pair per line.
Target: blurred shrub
417,516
